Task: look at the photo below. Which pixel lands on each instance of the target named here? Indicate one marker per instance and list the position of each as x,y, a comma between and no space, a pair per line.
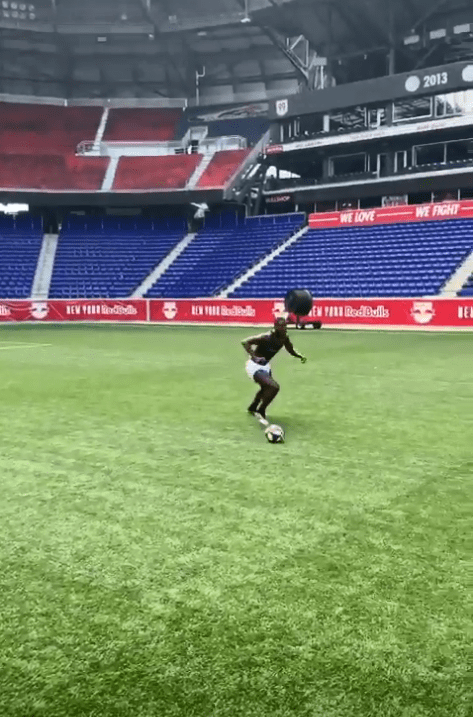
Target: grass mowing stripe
160,557
22,346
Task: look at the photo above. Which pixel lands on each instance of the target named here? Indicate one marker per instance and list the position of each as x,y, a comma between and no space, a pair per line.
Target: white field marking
22,346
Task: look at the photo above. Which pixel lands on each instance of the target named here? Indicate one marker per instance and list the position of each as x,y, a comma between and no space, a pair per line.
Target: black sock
256,401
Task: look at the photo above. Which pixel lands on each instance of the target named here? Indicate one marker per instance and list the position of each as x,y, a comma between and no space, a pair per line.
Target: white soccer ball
274,434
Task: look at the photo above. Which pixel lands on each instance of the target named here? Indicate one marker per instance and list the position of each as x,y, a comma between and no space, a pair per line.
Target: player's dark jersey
268,345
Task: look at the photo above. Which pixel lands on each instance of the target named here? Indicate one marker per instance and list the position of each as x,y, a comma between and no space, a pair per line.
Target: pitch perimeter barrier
332,313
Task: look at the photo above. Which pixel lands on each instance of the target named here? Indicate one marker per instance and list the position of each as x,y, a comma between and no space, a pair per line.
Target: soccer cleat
261,416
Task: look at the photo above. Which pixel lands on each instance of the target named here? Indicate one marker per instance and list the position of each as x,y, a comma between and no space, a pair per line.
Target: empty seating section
45,129
20,244
109,257
218,255
222,167
52,172
142,125
38,144
155,173
391,260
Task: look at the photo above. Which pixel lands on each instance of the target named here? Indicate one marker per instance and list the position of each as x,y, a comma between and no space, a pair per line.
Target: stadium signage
412,313
446,313
278,198
452,77
391,215
58,310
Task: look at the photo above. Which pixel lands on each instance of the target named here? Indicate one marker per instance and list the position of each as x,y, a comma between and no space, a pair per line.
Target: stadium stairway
467,288
461,281
247,275
45,266
163,266
110,174
200,170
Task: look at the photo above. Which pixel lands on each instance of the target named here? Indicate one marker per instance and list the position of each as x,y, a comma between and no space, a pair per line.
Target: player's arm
248,346
291,350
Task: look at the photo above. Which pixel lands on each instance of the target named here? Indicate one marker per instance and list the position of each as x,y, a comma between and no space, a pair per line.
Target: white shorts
252,367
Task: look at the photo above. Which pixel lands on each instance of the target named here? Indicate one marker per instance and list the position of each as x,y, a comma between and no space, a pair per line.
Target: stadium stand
162,172
222,167
219,255
382,261
109,257
52,172
38,144
45,129
20,244
141,125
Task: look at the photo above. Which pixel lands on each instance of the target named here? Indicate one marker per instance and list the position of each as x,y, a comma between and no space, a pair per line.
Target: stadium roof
227,50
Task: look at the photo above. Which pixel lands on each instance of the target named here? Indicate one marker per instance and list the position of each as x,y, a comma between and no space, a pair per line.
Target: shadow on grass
292,424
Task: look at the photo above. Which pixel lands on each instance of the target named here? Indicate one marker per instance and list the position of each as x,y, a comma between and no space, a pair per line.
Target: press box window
418,108
348,164
429,154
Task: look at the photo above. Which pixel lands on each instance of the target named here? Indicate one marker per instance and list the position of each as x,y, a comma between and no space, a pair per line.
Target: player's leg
256,401
270,389
252,368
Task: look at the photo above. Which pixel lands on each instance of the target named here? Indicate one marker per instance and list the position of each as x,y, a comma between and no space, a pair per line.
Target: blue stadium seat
384,260
109,257
20,243
220,254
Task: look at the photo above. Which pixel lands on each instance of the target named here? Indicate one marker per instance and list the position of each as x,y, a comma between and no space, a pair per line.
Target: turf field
160,559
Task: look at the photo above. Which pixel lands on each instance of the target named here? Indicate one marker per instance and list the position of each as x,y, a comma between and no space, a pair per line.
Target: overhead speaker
298,302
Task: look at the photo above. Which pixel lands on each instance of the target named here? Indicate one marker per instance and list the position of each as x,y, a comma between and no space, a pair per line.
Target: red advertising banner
408,313
446,313
356,312
393,215
74,310
223,311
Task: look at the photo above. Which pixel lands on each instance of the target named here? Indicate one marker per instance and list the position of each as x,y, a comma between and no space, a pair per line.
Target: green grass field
160,559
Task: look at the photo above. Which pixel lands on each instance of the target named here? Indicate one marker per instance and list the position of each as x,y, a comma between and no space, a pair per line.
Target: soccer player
266,346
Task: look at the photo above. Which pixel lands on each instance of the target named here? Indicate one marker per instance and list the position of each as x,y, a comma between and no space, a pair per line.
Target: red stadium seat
222,167
52,172
45,129
141,125
167,172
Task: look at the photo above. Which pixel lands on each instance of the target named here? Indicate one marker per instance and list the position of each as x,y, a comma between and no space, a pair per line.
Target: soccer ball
274,434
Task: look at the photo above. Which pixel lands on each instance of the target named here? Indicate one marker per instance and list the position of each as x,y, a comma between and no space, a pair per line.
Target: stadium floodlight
18,10
438,34
460,29
412,39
